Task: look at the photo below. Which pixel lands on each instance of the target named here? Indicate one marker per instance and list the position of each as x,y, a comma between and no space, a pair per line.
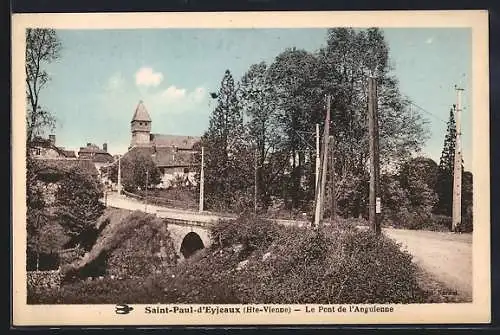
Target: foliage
133,172
42,47
250,231
446,163
78,206
130,245
418,177
228,159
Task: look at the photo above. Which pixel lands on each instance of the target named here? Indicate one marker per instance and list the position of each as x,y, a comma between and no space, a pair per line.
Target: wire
427,112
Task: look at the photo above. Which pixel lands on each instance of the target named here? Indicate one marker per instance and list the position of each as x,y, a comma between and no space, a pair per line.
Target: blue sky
102,74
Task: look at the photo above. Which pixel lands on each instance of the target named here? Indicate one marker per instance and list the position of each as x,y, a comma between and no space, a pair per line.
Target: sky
103,74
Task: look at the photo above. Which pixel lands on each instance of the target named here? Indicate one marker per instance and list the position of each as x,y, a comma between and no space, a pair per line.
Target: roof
64,165
47,143
69,153
178,141
141,114
95,153
163,156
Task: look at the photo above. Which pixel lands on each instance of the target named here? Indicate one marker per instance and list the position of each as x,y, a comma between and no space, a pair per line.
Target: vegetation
133,172
255,261
60,214
42,47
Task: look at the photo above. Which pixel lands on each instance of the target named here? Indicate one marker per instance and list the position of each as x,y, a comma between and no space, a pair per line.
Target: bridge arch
188,238
191,243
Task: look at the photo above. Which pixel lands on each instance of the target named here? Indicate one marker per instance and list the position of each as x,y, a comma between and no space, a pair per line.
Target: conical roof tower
140,126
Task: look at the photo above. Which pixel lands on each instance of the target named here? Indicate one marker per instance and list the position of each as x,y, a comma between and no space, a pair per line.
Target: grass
281,265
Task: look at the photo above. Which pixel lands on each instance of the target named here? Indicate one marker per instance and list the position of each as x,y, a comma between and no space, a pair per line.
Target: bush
251,231
132,246
255,261
334,266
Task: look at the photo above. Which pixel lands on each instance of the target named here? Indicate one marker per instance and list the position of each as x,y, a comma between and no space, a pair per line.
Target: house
99,157
45,148
172,154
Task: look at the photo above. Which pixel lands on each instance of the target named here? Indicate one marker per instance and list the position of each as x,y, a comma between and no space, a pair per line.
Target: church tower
140,126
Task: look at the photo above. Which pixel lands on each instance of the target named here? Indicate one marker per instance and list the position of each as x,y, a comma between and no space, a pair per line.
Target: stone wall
43,279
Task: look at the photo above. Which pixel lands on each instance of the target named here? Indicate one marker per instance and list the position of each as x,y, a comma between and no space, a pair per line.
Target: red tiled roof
163,156
181,142
69,153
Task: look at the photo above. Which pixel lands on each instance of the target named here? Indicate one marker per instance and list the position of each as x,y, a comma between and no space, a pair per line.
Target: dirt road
446,256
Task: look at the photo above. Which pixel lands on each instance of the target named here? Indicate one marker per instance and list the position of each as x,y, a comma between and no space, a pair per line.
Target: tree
78,206
42,47
301,106
228,157
345,63
258,102
418,177
133,169
446,163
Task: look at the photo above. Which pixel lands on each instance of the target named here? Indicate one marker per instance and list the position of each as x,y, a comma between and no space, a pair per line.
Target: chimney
52,139
105,147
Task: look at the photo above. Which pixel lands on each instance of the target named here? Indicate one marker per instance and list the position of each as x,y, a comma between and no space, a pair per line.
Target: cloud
115,83
174,93
145,76
430,40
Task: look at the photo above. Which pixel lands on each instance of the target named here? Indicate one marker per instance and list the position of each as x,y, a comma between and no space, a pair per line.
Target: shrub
135,245
334,266
255,261
251,231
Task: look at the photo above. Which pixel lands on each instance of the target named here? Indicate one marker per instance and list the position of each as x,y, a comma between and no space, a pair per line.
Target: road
446,256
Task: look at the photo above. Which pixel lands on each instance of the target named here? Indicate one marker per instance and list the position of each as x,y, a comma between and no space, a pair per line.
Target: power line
426,111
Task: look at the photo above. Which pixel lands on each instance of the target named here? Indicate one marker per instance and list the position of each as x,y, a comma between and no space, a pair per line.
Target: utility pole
333,203
202,178
119,186
318,217
457,166
255,182
146,198
317,158
375,202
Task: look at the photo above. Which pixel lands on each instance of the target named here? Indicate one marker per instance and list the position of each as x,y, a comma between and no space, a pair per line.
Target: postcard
250,168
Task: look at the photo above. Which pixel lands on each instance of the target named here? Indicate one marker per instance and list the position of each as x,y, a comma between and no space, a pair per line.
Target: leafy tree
42,48
345,63
133,171
301,106
78,206
418,177
228,158
258,102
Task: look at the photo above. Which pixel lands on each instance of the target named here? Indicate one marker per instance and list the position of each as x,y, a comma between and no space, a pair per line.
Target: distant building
172,154
45,148
100,157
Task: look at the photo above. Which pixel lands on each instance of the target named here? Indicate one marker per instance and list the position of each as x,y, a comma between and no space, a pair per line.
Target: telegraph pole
146,198
202,178
318,217
317,158
457,165
375,202
255,182
119,186
333,203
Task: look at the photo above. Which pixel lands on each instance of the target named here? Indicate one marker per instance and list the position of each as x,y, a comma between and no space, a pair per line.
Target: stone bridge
189,230
188,236
192,233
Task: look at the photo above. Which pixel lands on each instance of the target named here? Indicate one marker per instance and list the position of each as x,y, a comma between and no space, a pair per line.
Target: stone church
172,154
